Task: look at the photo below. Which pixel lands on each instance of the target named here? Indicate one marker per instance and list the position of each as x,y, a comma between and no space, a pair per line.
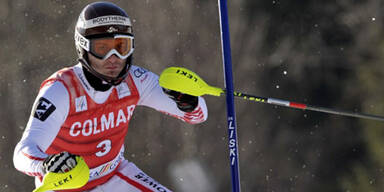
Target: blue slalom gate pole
231,116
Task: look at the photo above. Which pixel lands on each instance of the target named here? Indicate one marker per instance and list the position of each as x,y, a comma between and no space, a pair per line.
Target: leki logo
186,74
63,181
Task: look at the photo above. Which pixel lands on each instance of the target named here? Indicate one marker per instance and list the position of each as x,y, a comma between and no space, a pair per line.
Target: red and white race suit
69,115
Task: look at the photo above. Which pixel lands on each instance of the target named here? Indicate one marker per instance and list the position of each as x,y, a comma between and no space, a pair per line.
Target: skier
84,110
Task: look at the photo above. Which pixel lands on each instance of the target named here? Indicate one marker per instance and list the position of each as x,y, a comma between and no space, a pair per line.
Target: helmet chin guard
97,20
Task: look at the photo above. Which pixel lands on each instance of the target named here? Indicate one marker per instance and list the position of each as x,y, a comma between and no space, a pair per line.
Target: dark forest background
325,53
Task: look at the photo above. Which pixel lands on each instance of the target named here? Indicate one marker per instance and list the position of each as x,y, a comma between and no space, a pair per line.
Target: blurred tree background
325,53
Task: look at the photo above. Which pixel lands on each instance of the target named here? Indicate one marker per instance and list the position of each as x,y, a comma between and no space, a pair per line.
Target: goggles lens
120,45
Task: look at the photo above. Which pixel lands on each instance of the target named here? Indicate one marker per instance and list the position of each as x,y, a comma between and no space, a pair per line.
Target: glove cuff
184,102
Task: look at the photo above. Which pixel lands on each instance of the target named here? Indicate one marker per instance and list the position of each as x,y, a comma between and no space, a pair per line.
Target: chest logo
81,103
123,90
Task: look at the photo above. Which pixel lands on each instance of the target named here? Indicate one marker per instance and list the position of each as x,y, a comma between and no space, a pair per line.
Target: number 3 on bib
105,147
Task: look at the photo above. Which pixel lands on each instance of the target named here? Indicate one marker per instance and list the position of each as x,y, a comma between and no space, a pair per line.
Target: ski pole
302,106
186,81
231,115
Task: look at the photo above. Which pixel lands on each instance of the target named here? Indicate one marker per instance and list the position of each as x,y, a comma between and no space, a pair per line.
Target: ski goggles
119,45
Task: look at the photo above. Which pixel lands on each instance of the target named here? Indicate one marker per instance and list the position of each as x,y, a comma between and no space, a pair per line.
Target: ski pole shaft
231,116
306,107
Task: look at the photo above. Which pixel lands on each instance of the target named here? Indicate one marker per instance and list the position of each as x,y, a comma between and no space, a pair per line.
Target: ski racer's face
111,66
